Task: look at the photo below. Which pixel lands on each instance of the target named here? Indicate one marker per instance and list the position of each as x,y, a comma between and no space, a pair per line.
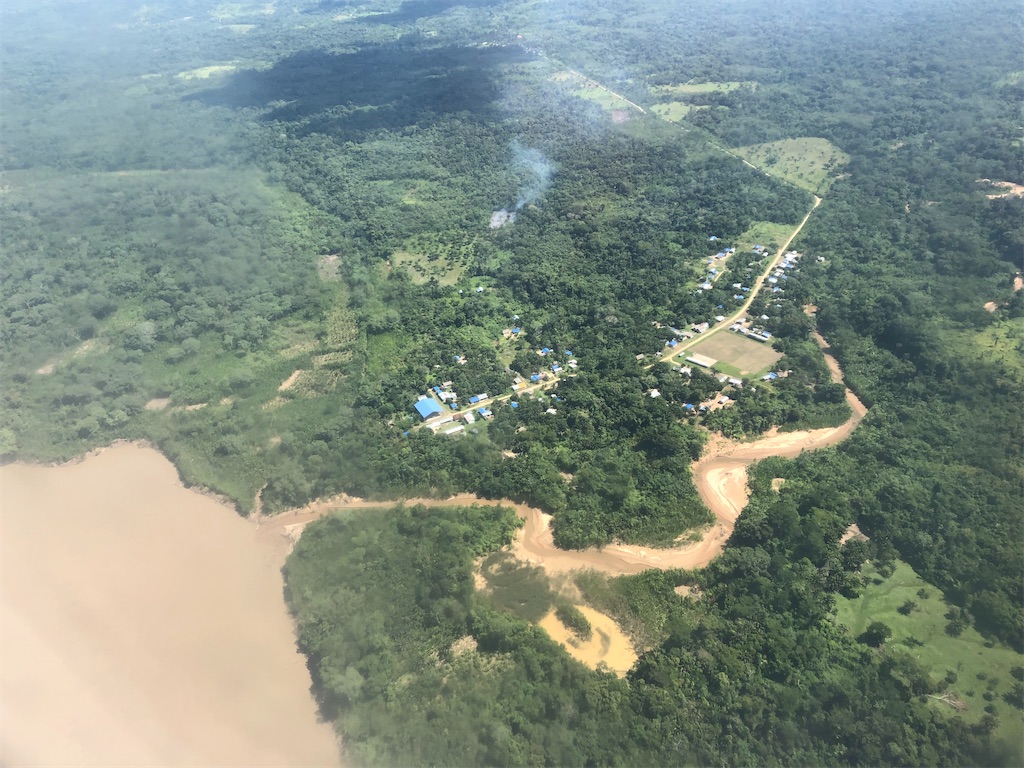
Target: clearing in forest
766,233
969,669
808,163
692,89
593,91
736,354
1001,343
205,73
422,267
675,110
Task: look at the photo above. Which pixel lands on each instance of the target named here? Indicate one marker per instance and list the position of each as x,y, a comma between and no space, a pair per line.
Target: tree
875,635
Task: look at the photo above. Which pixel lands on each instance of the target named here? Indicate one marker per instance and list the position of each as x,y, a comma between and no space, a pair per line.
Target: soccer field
746,356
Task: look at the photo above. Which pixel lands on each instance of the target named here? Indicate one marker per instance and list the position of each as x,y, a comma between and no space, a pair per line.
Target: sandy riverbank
143,624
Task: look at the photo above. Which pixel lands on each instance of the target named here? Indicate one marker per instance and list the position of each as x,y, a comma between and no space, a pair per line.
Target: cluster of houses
747,327
440,408
554,369
430,409
779,275
713,272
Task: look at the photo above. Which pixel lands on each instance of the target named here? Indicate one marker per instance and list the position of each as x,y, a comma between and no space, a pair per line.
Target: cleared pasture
675,110
809,163
972,670
691,89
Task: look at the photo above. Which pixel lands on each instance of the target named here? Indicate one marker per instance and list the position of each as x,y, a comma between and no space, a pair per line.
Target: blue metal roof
428,407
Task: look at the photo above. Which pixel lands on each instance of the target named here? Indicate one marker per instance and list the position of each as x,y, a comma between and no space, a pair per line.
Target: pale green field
674,110
809,163
205,73
421,267
689,89
981,667
602,97
589,90
1003,342
765,233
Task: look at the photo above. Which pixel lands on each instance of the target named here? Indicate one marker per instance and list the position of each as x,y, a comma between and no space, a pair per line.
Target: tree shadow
381,87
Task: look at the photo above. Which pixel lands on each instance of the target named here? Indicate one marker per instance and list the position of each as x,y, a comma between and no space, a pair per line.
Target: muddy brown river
143,624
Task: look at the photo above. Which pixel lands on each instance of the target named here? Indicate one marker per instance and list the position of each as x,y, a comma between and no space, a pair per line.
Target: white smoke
534,171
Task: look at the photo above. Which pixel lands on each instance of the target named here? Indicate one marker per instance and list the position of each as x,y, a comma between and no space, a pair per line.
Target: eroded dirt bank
143,624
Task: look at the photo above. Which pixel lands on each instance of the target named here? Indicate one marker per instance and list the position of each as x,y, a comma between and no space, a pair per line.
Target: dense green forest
418,669
254,234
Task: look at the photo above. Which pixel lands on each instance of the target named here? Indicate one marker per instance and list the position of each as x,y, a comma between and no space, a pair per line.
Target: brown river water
142,623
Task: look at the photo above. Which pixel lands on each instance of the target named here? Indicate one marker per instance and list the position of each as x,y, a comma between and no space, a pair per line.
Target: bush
574,620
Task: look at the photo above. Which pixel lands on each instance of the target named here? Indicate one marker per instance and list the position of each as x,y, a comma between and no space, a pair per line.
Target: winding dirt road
721,480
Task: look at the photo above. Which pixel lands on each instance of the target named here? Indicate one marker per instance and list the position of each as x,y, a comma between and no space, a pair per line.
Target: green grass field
689,89
765,233
674,110
601,96
422,268
737,356
808,163
1004,342
981,668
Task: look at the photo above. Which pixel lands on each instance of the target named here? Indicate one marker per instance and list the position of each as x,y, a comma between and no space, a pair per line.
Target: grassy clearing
205,73
741,356
765,233
1002,342
690,89
674,110
430,255
978,670
808,163
422,268
591,91
600,96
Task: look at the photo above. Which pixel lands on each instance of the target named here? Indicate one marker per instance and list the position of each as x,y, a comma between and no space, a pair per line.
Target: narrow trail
720,477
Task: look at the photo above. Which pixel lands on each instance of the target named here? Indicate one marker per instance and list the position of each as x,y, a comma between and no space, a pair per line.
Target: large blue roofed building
428,407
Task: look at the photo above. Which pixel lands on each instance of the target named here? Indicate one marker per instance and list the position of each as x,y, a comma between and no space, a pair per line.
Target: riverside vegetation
239,199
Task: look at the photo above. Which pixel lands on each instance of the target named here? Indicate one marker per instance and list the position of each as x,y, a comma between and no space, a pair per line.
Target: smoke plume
534,171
